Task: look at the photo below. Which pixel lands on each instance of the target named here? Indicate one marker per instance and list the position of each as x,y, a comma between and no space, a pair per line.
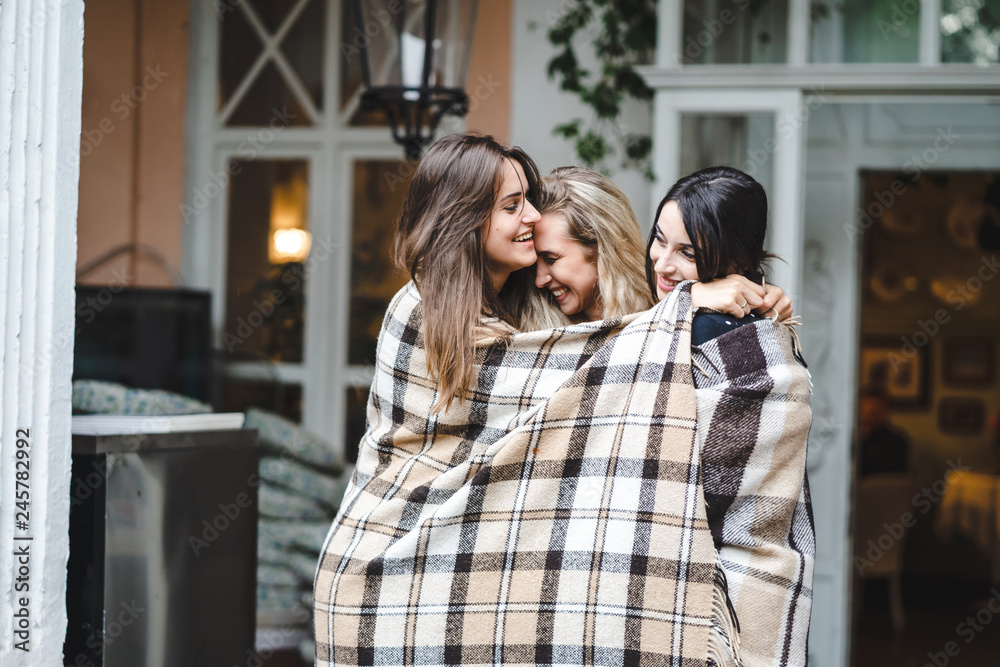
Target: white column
930,32
669,33
41,78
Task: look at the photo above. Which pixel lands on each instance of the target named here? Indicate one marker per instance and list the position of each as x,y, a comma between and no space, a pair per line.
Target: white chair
881,504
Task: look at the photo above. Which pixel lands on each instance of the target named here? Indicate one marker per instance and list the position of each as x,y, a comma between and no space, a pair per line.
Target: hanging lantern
414,63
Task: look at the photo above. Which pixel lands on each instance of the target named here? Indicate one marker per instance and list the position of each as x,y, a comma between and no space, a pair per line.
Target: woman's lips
665,285
560,293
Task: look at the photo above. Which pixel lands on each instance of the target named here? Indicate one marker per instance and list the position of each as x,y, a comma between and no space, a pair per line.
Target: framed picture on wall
969,361
902,375
961,416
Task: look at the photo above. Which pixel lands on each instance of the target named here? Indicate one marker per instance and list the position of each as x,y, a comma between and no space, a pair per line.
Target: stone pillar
41,77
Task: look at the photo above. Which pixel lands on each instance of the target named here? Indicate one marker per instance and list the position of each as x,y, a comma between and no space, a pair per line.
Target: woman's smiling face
508,234
671,252
565,268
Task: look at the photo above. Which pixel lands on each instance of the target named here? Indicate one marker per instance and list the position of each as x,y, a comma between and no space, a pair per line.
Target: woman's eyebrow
659,232
512,195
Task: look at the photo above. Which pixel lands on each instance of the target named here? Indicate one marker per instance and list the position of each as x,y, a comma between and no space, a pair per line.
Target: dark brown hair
724,212
439,240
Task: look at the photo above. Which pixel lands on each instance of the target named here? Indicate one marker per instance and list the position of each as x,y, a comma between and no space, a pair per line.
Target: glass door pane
268,241
379,188
866,31
261,75
744,141
735,31
970,31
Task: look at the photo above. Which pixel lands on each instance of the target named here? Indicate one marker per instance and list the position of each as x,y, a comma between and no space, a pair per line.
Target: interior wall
135,56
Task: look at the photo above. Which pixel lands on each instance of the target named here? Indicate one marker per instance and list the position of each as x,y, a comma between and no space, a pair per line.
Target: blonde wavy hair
601,219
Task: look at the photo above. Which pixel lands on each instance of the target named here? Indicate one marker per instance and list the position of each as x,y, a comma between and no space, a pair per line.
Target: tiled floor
936,620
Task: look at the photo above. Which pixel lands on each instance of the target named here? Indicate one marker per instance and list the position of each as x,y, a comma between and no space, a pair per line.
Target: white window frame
331,146
786,203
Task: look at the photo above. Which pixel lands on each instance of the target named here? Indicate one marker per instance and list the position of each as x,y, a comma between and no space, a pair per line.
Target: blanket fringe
724,639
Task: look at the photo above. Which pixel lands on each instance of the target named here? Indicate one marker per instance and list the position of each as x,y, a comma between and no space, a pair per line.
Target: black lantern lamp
415,63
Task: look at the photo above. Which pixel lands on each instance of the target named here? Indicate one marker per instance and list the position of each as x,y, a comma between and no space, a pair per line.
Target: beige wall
489,83
132,144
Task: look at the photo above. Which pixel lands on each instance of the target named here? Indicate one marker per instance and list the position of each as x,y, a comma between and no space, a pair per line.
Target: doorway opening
926,559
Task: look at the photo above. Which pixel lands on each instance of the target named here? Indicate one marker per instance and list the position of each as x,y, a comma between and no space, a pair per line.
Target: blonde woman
591,258
593,264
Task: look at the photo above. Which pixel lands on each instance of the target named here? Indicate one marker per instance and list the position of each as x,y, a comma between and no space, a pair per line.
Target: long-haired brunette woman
465,228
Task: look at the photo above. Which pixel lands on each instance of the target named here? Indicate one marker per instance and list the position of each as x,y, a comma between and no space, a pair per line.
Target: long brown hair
439,240
601,219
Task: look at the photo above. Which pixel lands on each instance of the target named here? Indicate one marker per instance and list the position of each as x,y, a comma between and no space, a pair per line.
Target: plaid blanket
753,424
555,516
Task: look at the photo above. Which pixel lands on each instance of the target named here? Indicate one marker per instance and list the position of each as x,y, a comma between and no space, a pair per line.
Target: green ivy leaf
592,148
625,37
569,130
605,99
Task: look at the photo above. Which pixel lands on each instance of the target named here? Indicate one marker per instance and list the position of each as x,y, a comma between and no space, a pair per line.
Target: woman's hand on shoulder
734,295
776,302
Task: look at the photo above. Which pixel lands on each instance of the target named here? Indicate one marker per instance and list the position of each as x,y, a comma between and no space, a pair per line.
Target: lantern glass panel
395,34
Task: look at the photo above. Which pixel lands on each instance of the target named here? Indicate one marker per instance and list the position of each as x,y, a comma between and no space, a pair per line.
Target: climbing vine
625,39
622,34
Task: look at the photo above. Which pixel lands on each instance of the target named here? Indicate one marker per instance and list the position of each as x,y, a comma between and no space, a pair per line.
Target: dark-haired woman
725,211
711,223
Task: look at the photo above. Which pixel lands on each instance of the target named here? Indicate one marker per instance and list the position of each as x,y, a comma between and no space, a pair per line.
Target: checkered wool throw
556,516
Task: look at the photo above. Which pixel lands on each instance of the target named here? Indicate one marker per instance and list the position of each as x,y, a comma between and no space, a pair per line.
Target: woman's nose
531,214
662,264
542,275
